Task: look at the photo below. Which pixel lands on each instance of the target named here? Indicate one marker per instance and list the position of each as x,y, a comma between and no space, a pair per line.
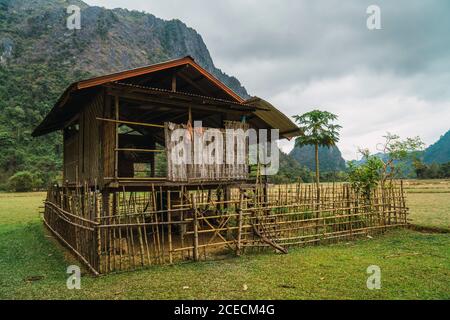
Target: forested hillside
330,159
438,152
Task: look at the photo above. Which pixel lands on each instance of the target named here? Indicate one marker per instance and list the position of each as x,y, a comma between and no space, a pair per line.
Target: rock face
108,41
330,159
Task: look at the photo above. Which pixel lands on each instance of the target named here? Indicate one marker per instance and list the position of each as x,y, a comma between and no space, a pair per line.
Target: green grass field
414,265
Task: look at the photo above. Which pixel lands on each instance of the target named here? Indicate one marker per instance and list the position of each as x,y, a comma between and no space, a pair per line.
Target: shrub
364,178
21,182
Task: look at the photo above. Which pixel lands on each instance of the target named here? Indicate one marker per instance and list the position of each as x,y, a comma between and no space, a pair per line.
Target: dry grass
429,202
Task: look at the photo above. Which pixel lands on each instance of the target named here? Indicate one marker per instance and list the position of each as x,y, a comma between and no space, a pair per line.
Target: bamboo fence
124,230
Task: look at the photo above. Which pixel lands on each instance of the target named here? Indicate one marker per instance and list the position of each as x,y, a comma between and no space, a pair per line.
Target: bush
364,178
21,182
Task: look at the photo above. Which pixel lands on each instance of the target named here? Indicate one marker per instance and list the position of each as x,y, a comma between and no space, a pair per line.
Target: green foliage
396,151
366,177
439,152
22,181
160,163
331,159
290,171
334,176
318,129
431,171
26,95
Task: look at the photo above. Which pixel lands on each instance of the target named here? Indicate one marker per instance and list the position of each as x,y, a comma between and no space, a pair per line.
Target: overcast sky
305,54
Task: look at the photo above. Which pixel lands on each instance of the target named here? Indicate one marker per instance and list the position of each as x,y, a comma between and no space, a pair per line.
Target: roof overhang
274,118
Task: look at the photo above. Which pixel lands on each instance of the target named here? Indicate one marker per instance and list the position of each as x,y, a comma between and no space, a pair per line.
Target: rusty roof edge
185,94
154,68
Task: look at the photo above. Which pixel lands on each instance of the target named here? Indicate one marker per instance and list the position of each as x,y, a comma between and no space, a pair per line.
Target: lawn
414,265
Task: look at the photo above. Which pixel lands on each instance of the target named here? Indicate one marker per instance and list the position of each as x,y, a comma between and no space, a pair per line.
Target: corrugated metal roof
181,93
154,68
76,95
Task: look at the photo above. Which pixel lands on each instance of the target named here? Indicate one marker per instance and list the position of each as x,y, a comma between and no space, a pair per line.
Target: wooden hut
114,125
124,204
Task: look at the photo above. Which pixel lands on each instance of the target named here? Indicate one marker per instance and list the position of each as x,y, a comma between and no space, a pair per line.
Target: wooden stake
194,206
239,235
169,227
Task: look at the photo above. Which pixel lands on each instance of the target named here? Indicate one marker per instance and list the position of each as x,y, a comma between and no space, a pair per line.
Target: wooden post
97,232
169,226
116,152
350,220
239,235
174,82
403,209
194,206
183,226
105,212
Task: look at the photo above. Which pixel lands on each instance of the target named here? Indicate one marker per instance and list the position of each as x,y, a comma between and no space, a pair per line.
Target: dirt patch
33,278
423,229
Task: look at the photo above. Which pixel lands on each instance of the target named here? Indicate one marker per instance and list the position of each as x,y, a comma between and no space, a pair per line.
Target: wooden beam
140,150
195,85
175,102
124,87
131,122
174,82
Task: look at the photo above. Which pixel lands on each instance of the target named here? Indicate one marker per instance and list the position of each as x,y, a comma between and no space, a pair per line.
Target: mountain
108,41
290,171
438,152
40,57
330,159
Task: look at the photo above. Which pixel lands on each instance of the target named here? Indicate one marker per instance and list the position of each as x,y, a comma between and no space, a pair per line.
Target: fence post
194,206
169,227
349,206
239,235
403,208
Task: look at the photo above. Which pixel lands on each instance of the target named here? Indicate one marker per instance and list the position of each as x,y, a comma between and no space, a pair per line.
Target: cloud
302,54
369,106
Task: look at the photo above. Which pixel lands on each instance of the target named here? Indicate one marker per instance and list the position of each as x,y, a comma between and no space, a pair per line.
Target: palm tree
318,130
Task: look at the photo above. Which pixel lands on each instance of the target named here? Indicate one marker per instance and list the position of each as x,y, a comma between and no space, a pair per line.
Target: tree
395,151
420,168
318,130
21,182
365,177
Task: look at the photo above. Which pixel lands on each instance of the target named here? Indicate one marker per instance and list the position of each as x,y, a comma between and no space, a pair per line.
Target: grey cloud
299,53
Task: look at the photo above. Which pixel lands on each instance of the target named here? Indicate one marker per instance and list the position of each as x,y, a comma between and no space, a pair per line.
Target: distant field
20,208
415,265
429,202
